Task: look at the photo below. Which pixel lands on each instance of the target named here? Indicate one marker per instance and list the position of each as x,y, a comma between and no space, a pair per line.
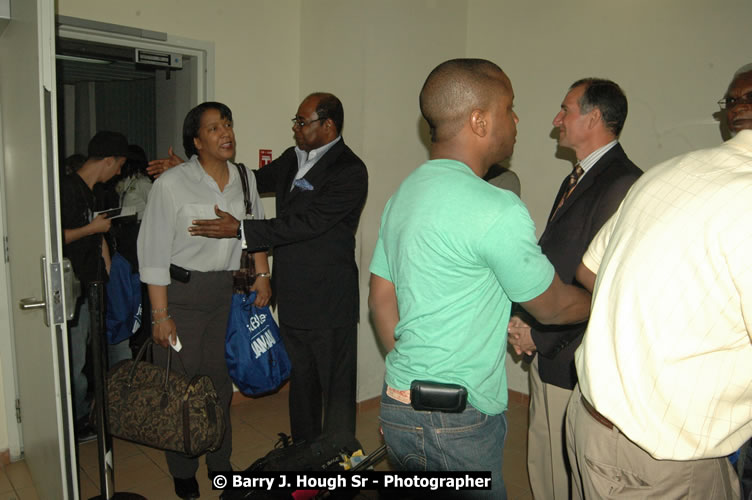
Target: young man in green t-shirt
453,253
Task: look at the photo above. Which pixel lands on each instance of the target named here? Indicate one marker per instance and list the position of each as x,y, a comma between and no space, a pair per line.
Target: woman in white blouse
194,314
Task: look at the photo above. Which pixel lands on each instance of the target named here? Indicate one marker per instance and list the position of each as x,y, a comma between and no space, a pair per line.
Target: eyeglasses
302,123
730,102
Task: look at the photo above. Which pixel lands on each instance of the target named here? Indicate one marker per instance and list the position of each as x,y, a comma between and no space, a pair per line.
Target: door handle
65,284
31,303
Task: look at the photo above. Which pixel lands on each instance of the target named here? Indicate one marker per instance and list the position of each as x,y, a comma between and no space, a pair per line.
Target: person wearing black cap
85,246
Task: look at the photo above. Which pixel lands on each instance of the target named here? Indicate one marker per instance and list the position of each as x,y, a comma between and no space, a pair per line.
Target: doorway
137,82
174,92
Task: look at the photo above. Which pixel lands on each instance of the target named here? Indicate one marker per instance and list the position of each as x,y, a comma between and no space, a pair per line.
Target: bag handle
150,343
243,171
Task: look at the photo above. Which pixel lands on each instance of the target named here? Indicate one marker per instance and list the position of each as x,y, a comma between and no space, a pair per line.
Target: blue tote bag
123,301
255,355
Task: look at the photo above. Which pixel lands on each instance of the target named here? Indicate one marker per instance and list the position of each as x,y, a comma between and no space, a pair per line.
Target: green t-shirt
458,251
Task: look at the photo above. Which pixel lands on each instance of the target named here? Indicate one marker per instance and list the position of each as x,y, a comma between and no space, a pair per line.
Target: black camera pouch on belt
436,396
179,274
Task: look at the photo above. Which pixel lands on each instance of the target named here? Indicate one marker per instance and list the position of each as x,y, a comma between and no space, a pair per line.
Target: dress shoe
187,489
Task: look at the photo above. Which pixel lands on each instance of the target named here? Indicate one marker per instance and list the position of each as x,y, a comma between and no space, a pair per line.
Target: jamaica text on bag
263,340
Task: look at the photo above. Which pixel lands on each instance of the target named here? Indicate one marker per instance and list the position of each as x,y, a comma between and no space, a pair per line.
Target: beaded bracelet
263,275
160,320
164,309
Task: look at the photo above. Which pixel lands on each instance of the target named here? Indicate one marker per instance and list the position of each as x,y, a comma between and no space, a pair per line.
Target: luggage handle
150,342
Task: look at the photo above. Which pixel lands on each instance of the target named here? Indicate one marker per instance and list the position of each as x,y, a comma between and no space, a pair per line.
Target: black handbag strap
243,171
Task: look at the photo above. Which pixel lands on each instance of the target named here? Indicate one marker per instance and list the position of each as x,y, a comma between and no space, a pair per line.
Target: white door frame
81,29
85,30
33,230
7,346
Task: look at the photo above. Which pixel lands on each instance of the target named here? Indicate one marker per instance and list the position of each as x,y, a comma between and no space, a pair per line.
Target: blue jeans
118,352
437,441
78,340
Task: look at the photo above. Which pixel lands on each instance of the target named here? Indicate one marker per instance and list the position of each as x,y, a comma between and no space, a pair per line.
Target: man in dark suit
320,187
591,118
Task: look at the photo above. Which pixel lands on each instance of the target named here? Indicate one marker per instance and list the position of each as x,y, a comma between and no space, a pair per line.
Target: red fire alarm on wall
265,157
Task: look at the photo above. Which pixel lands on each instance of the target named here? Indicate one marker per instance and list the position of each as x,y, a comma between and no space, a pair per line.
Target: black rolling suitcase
325,453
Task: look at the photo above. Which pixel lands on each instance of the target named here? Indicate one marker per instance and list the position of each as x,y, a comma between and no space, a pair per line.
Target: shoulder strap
244,181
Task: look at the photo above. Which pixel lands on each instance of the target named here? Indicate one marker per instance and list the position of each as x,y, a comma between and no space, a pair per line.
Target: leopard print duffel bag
152,405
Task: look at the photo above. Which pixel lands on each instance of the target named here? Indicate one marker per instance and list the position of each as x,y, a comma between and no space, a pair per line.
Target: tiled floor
255,425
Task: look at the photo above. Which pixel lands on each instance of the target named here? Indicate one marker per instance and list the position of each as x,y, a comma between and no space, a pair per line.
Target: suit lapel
319,172
562,189
588,180
292,170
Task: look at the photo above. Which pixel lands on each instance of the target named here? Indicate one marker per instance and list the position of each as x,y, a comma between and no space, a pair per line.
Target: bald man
736,106
453,253
737,103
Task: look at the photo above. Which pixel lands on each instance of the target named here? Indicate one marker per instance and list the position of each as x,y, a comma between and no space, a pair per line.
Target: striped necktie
571,184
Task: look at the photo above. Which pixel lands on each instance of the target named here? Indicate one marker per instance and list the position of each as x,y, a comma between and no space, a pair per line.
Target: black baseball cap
106,143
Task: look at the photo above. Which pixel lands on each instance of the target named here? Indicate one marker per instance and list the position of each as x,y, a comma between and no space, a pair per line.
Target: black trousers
200,309
324,370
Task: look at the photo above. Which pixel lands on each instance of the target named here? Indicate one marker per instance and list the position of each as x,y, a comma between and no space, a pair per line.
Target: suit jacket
564,241
314,278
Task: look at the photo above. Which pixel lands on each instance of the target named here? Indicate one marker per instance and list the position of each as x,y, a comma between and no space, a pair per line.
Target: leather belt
594,413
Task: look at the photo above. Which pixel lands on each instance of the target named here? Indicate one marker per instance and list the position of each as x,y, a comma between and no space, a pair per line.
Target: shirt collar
743,138
197,172
596,155
315,154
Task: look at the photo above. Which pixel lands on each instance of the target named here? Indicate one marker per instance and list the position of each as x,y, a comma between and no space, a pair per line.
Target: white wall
673,58
377,55
257,55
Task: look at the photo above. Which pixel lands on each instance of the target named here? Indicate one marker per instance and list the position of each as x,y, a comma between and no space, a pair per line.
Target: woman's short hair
192,123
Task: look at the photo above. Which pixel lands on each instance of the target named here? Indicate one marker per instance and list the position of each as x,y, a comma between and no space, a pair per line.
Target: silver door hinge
18,411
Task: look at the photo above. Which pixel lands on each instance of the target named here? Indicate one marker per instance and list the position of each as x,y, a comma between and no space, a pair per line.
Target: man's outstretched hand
225,226
158,167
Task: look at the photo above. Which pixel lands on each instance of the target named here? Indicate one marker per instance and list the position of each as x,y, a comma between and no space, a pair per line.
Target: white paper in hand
177,346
